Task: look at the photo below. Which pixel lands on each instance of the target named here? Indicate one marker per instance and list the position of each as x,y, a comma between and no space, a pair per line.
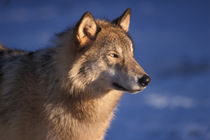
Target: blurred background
172,44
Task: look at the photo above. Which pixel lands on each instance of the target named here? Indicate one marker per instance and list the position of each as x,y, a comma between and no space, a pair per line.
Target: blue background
172,44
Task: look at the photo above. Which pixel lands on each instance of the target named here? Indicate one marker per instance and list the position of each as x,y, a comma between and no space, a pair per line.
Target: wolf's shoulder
7,52
8,55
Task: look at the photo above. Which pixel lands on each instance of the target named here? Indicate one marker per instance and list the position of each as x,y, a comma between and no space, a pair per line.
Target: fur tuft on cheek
91,79
81,77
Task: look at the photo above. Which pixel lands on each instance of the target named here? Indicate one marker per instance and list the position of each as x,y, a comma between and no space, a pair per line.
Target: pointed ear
86,29
124,20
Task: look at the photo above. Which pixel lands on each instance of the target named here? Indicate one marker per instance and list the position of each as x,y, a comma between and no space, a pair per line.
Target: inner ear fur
124,20
86,29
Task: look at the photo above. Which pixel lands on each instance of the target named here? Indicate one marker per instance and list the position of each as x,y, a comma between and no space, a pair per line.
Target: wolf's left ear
86,29
124,20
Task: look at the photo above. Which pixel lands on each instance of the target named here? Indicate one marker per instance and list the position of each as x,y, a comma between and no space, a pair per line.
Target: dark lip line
119,87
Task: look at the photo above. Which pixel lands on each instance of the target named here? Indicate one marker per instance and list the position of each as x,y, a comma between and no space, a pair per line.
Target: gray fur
66,92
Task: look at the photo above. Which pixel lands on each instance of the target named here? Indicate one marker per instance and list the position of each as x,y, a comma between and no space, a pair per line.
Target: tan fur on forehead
114,31
110,29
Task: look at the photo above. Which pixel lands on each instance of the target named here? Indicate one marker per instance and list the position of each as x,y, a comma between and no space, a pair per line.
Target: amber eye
114,55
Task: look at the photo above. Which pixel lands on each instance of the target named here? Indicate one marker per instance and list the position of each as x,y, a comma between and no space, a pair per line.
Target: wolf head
104,58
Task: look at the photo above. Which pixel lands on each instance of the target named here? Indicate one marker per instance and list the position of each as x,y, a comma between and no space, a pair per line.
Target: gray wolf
70,90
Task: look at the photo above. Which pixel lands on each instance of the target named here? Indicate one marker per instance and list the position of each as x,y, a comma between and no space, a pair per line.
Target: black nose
144,80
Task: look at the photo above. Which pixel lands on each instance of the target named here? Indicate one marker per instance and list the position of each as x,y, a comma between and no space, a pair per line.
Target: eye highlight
114,55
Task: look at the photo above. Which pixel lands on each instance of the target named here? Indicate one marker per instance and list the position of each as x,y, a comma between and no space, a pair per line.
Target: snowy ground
171,43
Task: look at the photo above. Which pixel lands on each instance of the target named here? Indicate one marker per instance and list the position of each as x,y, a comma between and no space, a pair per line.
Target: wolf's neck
100,108
90,109
90,118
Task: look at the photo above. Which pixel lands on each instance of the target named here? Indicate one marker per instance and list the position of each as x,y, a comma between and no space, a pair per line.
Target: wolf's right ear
86,29
124,20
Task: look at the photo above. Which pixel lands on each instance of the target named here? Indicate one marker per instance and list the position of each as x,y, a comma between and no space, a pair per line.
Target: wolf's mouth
119,87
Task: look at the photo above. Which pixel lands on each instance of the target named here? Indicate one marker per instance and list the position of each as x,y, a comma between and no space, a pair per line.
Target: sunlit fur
65,92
